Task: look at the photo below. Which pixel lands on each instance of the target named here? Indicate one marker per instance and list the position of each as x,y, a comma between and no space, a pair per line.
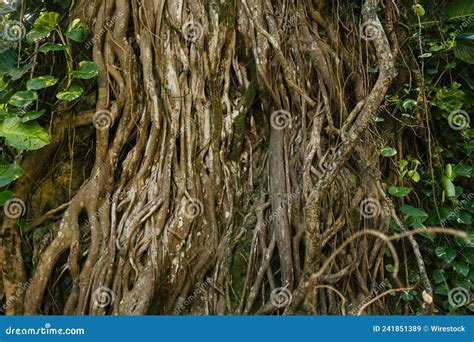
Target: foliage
31,84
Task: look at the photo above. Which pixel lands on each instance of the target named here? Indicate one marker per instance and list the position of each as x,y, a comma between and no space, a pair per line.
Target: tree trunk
227,166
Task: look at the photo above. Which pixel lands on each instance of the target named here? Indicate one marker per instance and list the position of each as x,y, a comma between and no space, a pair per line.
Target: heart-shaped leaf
41,82
23,98
77,31
399,191
87,70
9,172
73,93
23,136
388,151
53,47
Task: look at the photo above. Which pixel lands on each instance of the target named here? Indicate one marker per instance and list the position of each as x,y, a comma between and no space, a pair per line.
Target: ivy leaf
37,33
53,47
23,135
388,151
23,98
73,93
47,20
9,172
32,115
87,70
41,82
407,296
390,268
442,289
77,31
8,60
445,253
399,191
408,105
414,217
461,268
439,276
17,73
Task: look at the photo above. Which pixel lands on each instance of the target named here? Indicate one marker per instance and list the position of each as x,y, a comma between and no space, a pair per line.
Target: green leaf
442,289
87,70
8,60
53,47
388,151
23,136
77,31
415,176
36,34
439,276
399,191
407,296
445,253
71,94
461,268
17,73
5,196
41,82
425,55
32,115
449,171
9,172
23,98
419,9
409,105
47,20
414,217
448,186
390,268
460,9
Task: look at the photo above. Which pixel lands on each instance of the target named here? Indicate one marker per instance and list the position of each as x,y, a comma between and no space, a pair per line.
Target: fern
460,9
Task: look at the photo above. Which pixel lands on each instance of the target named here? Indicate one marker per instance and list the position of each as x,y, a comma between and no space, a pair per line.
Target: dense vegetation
236,157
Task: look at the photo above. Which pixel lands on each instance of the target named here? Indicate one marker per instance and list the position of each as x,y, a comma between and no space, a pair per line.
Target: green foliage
73,93
433,189
28,95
